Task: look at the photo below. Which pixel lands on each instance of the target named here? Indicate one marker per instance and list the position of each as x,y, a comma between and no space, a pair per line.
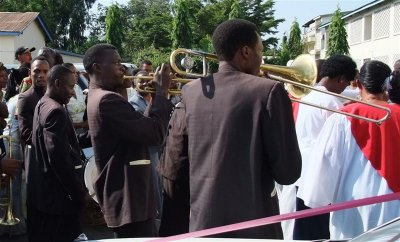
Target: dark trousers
136,229
176,209
43,227
310,228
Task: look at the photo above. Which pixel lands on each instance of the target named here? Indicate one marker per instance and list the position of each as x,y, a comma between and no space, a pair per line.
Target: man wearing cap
24,56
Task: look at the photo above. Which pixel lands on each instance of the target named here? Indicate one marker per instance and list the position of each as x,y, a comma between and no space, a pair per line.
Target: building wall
31,37
375,34
7,49
72,59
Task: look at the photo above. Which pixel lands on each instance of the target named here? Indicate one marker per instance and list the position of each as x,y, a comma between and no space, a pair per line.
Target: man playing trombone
241,137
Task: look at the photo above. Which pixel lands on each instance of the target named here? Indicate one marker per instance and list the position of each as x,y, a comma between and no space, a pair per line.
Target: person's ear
359,84
342,79
57,83
96,67
245,51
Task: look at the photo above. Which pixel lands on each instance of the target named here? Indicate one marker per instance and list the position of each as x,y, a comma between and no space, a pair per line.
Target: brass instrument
8,217
171,91
299,78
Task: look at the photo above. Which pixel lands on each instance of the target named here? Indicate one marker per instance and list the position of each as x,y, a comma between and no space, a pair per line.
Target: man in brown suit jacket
27,102
120,137
241,137
54,192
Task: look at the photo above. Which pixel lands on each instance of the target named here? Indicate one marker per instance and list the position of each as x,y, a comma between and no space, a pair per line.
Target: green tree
95,28
181,30
236,10
149,24
294,44
261,13
337,36
284,54
66,20
114,20
157,56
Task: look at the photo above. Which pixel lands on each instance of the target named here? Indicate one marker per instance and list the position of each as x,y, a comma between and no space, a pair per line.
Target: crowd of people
231,148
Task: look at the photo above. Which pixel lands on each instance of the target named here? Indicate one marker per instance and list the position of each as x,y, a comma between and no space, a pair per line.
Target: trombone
299,78
8,217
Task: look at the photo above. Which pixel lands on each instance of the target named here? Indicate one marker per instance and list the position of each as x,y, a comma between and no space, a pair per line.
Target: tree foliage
261,13
156,56
66,20
337,36
236,10
114,20
284,54
181,30
149,24
294,44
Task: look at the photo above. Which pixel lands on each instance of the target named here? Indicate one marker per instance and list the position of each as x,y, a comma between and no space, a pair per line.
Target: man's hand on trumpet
162,80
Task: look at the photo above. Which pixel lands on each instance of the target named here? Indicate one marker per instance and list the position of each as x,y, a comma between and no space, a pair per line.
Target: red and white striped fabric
354,159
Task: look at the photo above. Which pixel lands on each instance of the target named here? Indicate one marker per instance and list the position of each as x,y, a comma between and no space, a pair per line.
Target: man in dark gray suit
120,137
241,137
54,192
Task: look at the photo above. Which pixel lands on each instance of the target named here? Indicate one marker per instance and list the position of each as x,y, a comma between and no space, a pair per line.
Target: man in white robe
336,73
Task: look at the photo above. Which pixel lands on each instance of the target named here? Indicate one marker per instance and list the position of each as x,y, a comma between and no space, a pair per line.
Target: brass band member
55,193
120,136
241,137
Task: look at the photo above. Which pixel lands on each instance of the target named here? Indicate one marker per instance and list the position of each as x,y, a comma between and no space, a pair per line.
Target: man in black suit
54,192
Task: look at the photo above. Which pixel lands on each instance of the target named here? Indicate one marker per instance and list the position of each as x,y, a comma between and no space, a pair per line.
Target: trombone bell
303,70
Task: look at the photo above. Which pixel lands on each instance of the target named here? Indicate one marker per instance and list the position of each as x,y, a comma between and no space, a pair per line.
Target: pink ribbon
283,217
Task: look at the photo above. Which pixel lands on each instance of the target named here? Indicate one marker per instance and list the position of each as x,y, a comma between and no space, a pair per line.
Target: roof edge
357,10
69,53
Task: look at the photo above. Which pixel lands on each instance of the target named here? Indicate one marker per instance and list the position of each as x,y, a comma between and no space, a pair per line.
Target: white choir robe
309,123
354,159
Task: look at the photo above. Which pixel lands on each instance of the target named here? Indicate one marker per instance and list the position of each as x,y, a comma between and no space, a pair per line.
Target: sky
302,10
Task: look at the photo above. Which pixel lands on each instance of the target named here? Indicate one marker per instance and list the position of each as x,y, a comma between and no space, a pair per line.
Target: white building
29,30
373,33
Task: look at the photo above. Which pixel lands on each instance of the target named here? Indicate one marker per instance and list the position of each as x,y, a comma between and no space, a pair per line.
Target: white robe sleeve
321,179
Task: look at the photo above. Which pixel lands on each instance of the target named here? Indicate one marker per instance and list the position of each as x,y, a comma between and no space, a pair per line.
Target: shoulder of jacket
180,105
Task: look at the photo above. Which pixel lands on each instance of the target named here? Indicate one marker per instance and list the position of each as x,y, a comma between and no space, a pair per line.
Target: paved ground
92,232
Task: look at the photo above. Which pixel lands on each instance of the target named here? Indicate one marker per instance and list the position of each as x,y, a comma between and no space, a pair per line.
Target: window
368,27
381,23
323,42
384,59
356,31
396,24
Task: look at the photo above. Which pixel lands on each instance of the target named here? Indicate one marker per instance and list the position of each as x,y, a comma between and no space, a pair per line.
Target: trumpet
149,89
7,202
299,78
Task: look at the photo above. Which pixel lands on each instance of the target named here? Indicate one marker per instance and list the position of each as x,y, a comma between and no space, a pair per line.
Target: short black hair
68,65
49,54
3,68
58,59
232,35
319,63
393,87
40,58
373,75
147,62
339,65
94,54
59,72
